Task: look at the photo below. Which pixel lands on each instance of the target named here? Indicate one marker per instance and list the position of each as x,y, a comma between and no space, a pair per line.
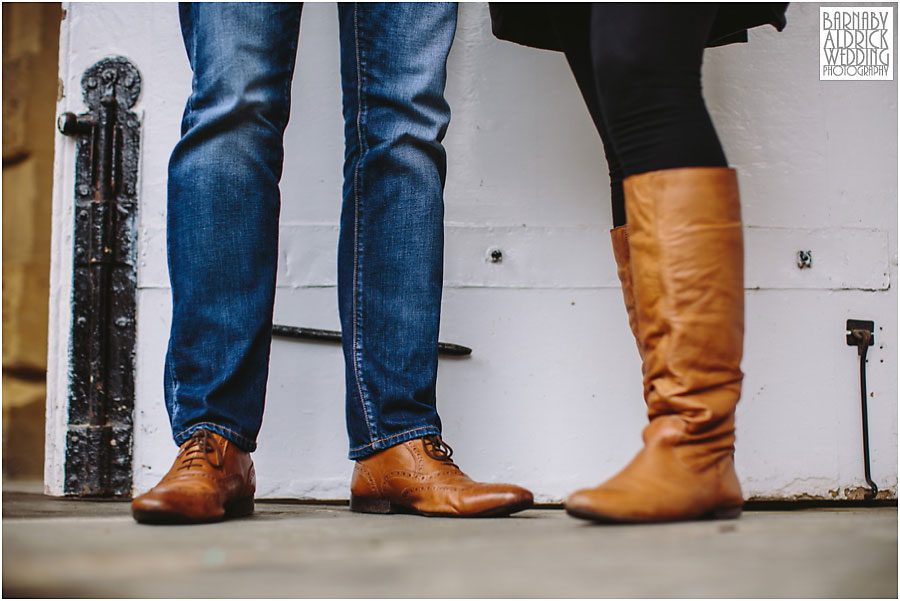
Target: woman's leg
572,26
647,61
685,260
571,23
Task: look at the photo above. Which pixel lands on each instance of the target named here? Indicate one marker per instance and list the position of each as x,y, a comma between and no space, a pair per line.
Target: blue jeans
224,202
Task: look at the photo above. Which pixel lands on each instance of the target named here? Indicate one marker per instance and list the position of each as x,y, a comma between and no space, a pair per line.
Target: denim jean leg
222,221
390,253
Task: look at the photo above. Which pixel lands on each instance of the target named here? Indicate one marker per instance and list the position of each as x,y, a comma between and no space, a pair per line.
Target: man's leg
392,230
390,272
223,246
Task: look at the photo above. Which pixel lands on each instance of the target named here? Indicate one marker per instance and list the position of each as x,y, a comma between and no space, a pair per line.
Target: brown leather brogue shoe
418,476
211,480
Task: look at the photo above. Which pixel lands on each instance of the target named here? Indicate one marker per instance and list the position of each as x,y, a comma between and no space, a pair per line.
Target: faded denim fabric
224,203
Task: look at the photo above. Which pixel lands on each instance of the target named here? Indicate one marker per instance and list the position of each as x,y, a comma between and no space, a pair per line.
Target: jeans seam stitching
175,405
288,80
203,424
359,160
374,442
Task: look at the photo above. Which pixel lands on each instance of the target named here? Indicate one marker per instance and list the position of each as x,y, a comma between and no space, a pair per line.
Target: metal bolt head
66,123
804,259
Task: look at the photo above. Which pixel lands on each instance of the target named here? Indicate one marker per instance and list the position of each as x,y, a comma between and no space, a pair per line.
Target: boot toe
577,501
588,504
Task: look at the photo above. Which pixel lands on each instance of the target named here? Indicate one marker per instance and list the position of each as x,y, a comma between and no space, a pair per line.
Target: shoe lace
437,448
197,450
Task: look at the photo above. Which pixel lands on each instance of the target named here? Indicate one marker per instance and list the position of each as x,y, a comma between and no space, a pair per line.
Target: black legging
638,68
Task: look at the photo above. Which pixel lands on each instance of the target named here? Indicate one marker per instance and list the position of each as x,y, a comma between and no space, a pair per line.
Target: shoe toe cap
176,506
504,499
151,501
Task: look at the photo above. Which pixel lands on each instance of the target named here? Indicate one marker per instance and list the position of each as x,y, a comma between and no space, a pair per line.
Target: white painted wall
551,396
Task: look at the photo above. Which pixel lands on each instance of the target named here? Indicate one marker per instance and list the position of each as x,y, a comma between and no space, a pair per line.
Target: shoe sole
386,506
233,509
724,513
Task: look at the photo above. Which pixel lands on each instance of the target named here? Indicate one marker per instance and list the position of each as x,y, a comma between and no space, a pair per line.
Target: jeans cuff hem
390,441
246,444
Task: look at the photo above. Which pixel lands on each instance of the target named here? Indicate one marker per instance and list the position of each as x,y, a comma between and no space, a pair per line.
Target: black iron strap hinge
101,378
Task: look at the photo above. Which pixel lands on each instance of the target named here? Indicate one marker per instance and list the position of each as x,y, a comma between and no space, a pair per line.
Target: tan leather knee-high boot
686,257
619,237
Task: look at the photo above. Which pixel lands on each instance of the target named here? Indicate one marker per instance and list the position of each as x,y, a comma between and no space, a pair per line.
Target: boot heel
239,507
369,504
727,513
